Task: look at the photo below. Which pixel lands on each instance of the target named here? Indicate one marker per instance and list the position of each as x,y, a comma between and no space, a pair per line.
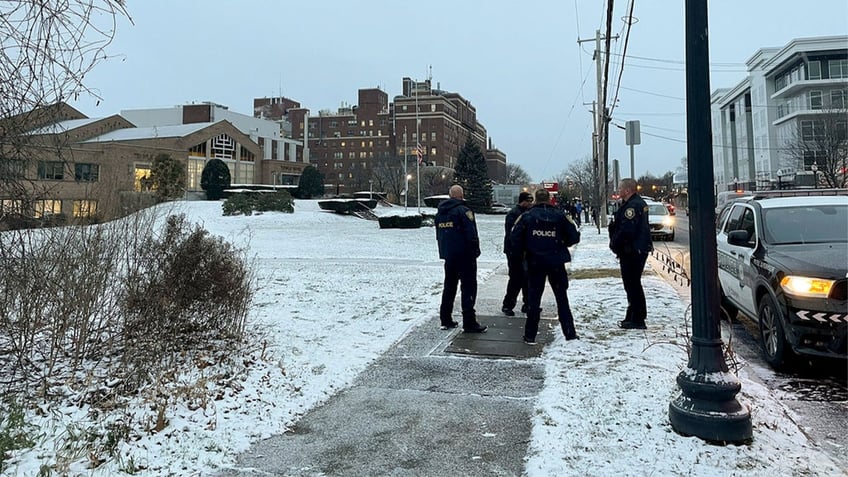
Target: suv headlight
806,286
668,221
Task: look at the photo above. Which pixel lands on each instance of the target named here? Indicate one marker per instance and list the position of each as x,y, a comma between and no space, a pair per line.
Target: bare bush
187,287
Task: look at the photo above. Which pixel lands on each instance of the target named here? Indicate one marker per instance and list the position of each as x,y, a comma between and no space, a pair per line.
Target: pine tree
473,175
215,178
167,177
311,183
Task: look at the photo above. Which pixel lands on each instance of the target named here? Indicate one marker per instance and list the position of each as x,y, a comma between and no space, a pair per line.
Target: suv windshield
791,225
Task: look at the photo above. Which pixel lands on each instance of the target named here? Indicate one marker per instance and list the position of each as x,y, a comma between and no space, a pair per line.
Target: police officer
459,247
544,234
514,260
630,240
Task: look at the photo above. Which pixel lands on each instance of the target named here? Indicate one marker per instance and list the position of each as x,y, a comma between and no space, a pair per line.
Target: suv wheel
772,335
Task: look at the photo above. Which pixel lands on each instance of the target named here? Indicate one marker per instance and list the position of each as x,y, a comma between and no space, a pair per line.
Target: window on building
433,108
334,124
51,170
370,122
11,168
815,99
363,154
224,147
44,208
11,206
85,208
351,155
837,68
839,99
403,107
344,143
432,151
811,130
362,124
338,155
86,172
362,144
814,70
433,136
842,130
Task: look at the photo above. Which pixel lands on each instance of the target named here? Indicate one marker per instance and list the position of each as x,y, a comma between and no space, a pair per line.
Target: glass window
51,170
735,217
815,99
11,206
837,69
811,224
86,172
747,224
814,70
11,168
44,208
85,208
839,99
142,180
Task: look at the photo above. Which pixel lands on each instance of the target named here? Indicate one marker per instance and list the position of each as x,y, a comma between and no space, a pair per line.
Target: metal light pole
707,406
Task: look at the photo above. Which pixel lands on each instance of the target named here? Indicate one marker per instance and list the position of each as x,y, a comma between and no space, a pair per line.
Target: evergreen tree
215,178
311,183
167,177
472,174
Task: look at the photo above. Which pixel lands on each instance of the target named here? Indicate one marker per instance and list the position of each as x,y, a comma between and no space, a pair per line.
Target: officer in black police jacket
459,247
630,240
515,260
544,234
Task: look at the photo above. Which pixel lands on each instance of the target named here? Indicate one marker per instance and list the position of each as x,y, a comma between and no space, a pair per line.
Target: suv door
728,264
736,272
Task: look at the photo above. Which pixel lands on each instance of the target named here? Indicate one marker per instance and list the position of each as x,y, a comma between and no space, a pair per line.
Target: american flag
420,152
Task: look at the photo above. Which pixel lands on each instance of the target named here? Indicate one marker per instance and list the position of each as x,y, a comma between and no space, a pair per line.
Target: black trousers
462,271
517,281
558,278
632,266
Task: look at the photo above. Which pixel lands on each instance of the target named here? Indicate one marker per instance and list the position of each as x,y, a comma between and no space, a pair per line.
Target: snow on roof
129,134
63,126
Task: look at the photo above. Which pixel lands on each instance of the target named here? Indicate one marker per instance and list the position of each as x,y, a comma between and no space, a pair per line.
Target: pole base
720,421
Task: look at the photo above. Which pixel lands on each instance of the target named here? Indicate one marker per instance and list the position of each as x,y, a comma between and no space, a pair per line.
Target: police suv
784,261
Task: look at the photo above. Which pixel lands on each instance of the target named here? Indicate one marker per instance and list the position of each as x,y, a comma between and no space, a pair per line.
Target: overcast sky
519,63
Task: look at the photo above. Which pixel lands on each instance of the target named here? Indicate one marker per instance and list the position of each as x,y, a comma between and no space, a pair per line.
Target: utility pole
601,129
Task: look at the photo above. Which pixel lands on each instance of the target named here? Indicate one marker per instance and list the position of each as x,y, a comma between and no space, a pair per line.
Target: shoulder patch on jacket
629,213
470,215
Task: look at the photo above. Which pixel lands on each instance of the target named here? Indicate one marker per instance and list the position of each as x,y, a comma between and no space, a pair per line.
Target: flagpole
405,174
418,149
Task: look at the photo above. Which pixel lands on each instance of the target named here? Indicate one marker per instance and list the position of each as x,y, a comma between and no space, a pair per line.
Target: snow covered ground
329,285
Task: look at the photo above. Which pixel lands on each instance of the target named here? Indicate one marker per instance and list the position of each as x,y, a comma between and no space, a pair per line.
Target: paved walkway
419,403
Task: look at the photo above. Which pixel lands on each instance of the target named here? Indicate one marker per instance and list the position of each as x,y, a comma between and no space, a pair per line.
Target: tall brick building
347,145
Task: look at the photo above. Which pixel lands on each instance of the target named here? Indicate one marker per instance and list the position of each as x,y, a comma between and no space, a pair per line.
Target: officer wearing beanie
514,260
543,234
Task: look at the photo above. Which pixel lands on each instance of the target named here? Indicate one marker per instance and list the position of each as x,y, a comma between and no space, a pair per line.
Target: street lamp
815,169
707,406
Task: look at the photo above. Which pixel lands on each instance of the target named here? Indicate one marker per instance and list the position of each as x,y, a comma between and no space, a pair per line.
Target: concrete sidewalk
437,403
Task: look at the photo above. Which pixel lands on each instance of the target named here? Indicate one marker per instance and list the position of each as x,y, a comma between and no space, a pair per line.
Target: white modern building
279,152
784,92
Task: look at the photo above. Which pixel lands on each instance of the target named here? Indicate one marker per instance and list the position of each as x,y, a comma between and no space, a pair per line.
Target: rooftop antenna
430,73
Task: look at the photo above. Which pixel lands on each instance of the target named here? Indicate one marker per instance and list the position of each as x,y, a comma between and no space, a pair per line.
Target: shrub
190,287
238,204
401,222
280,201
168,177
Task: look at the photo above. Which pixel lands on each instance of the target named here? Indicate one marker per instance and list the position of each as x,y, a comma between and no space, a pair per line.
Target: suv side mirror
739,238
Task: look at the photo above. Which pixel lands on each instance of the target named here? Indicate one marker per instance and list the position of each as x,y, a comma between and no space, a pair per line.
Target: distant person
630,240
544,234
515,260
459,247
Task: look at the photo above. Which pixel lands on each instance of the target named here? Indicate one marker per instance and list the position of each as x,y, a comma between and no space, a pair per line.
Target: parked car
784,262
660,220
498,208
670,208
